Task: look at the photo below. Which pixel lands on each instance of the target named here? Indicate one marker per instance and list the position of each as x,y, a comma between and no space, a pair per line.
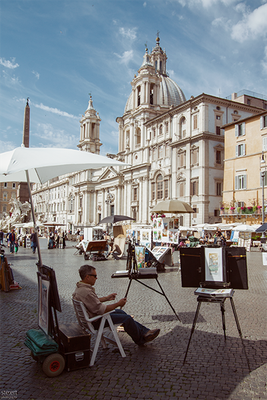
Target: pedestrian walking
1,237
33,242
12,239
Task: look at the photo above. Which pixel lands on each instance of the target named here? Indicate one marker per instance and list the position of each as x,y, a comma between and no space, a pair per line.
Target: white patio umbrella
38,165
173,206
244,228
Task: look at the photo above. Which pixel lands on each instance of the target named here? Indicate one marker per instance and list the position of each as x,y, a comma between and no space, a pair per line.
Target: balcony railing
254,213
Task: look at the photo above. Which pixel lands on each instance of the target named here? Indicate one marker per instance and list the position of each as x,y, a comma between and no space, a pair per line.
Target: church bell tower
90,130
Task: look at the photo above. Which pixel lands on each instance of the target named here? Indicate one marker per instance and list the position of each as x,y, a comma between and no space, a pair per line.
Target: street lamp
263,171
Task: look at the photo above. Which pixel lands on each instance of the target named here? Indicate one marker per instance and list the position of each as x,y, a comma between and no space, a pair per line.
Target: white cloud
55,137
54,111
9,64
128,33
204,3
36,74
10,79
6,146
126,56
144,5
253,25
264,62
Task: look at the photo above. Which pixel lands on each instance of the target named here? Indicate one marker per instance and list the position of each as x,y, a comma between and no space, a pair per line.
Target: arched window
151,93
138,96
159,187
160,130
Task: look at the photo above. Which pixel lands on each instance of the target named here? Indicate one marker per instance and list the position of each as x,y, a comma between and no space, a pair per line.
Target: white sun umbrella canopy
38,165
43,164
244,228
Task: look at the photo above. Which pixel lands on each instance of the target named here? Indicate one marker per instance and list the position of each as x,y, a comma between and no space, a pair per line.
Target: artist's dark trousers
132,327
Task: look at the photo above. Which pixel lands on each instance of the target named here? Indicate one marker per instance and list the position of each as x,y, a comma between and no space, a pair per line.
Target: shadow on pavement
213,369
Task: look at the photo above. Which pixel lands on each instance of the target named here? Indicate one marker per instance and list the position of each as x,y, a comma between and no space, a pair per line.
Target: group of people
56,240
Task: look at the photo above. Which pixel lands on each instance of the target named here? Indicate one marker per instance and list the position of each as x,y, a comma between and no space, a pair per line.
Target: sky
56,52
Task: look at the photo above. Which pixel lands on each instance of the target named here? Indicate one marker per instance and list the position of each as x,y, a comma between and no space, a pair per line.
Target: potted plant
232,210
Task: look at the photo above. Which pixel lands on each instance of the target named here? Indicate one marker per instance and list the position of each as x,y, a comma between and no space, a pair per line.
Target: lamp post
263,171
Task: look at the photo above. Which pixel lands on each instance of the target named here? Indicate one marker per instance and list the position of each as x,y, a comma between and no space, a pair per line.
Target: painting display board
48,298
94,233
166,230
163,254
145,238
43,303
194,266
163,230
140,256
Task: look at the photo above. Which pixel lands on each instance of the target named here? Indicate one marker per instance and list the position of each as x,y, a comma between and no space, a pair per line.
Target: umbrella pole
40,263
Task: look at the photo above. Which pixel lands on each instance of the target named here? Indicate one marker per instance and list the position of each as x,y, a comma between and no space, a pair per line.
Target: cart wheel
53,365
34,357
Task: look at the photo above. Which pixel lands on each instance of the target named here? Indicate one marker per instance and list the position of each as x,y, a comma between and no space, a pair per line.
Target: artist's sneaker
151,335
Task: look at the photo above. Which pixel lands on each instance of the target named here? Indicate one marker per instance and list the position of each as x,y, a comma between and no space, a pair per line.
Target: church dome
170,94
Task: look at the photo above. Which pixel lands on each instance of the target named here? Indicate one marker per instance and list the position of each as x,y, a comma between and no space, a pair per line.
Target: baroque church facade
174,148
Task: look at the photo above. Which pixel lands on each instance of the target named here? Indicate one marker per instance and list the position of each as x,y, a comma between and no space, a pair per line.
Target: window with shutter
159,187
240,182
263,121
194,187
240,129
240,150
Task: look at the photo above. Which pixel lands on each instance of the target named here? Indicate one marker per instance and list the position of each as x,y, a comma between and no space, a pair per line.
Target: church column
86,207
92,206
103,204
132,136
144,199
143,139
128,199
95,218
148,92
116,202
174,157
90,130
121,138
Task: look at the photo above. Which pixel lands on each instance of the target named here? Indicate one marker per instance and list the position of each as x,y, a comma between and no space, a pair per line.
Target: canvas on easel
215,266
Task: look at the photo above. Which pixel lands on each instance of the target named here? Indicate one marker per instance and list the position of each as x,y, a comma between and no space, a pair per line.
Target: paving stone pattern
214,369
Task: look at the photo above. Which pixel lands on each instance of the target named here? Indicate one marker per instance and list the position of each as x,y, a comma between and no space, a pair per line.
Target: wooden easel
134,274
217,300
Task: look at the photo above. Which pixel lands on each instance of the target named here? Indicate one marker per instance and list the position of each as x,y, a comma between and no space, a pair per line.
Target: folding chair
87,324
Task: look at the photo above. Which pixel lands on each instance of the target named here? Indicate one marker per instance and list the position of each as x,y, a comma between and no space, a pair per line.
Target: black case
193,266
75,345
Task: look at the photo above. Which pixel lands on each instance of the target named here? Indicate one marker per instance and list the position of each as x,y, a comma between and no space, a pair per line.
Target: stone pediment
109,173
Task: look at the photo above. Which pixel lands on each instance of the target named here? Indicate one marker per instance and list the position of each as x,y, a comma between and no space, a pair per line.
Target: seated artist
85,292
115,252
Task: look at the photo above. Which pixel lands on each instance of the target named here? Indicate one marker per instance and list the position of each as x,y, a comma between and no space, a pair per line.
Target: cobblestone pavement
213,369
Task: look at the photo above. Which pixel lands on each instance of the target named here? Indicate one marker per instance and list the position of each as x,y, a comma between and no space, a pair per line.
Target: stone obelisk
23,192
26,129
